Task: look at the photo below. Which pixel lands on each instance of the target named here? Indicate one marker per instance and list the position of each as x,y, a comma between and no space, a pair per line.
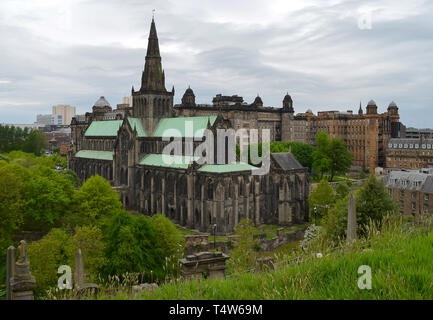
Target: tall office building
66,111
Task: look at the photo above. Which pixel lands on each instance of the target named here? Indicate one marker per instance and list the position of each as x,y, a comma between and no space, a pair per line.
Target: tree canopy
331,156
28,140
93,203
321,199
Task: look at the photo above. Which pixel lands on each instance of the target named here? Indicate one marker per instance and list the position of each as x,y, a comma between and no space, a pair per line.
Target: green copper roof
103,128
223,168
198,125
136,123
95,154
167,161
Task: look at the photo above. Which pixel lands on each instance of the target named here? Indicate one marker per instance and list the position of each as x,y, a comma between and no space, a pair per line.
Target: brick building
365,135
409,153
412,189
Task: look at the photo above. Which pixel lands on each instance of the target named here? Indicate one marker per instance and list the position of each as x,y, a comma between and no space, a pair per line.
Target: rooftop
417,180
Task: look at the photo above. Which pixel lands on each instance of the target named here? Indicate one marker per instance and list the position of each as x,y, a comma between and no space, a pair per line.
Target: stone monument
204,264
20,282
351,219
83,288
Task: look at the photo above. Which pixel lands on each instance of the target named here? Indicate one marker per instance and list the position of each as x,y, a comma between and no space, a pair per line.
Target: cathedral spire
153,78
360,109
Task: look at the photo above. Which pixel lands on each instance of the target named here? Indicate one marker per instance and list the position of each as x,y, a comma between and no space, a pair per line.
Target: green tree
71,176
373,202
47,200
331,156
130,241
14,181
340,159
93,203
335,221
89,239
301,151
169,239
321,161
35,142
342,190
47,255
321,199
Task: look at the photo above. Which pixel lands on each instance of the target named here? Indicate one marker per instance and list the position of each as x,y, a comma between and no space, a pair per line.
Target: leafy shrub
94,203
47,255
130,241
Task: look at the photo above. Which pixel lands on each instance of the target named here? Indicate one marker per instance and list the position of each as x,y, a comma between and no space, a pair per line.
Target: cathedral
125,146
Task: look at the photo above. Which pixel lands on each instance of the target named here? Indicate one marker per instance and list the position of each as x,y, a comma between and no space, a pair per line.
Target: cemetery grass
400,262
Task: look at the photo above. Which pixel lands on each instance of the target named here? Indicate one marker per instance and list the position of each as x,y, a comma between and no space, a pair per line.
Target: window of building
413,205
426,197
413,195
425,207
401,193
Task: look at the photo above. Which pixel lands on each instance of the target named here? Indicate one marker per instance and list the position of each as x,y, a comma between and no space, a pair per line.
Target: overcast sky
329,55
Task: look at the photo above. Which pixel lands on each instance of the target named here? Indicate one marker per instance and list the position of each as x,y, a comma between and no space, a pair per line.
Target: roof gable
136,124
286,161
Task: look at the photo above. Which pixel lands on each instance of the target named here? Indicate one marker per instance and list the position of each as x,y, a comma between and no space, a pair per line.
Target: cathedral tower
152,102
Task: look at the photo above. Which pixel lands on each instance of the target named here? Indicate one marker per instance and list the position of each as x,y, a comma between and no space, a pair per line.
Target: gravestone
79,269
10,270
351,218
265,263
83,289
21,282
212,264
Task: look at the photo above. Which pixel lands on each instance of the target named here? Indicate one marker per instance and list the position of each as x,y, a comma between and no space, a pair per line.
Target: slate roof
167,126
95,154
102,102
106,128
416,180
286,161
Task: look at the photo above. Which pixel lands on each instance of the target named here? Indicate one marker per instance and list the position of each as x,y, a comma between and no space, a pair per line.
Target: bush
47,255
90,240
130,241
94,203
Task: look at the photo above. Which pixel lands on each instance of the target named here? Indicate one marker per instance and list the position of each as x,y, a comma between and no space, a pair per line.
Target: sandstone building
366,135
412,189
409,153
125,146
282,123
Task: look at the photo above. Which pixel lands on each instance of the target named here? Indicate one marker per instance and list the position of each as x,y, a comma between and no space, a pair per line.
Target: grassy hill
400,257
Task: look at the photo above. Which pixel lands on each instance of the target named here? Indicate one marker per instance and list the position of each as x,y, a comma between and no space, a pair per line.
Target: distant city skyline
328,55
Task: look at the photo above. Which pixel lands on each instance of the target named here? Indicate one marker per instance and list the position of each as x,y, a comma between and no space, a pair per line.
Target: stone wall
280,239
198,243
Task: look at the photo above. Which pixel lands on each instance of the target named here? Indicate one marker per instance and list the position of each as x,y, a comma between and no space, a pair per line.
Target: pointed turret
360,111
153,78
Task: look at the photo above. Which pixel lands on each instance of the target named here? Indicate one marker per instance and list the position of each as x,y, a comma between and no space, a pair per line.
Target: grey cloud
318,54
